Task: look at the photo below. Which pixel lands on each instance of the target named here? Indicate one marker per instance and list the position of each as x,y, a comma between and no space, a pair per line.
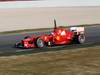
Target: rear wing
78,30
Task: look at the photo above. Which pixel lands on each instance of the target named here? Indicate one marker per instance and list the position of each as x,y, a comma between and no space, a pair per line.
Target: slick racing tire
81,39
40,43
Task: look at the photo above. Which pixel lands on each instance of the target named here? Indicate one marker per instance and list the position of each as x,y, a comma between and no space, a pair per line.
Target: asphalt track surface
7,41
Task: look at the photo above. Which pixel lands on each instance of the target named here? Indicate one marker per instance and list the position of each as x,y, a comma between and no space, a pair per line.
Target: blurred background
32,14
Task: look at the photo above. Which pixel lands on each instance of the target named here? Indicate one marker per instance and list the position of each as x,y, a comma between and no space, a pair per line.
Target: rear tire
40,43
79,39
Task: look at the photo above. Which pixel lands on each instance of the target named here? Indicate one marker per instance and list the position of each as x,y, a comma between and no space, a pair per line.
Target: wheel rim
81,38
40,43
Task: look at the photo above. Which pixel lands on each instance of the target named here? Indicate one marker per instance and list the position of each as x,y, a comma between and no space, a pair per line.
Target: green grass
81,61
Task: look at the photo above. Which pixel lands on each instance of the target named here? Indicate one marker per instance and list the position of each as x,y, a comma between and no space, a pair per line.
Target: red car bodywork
59,36
62,36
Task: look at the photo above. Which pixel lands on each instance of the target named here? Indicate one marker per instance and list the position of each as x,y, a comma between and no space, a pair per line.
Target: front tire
40,43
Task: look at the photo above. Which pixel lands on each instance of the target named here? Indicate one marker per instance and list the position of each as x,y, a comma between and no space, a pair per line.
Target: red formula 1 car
59,36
